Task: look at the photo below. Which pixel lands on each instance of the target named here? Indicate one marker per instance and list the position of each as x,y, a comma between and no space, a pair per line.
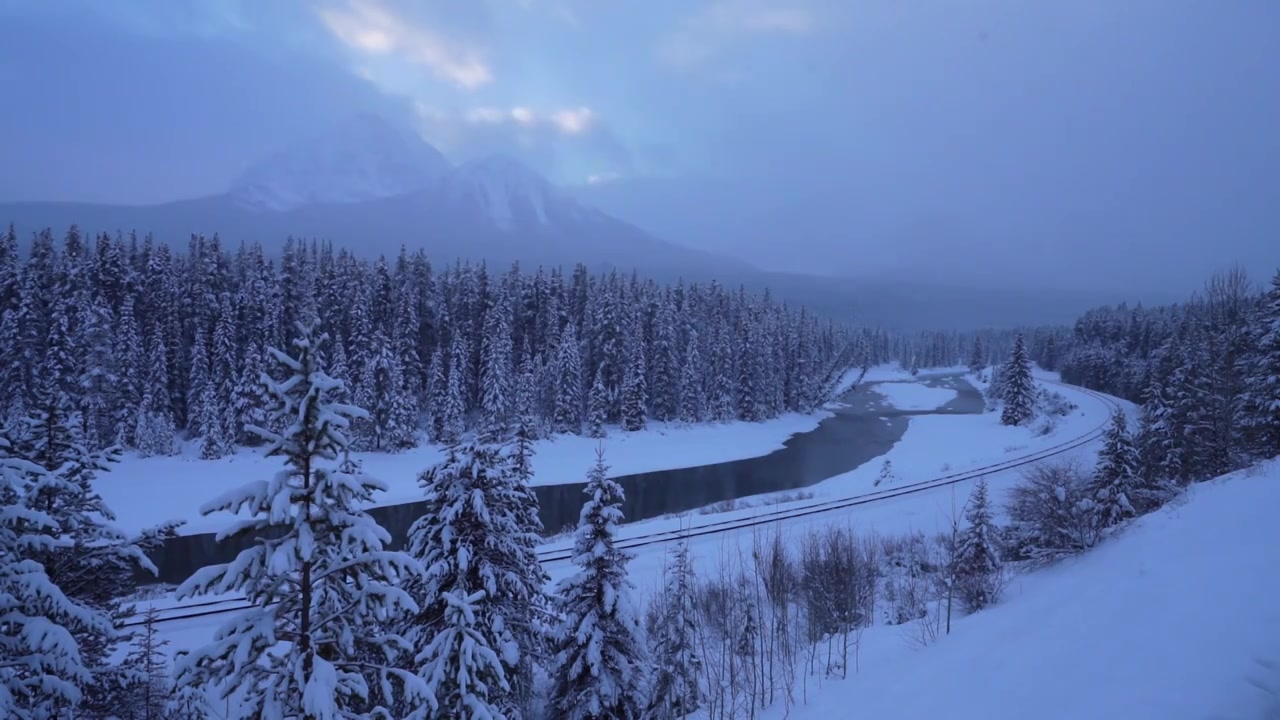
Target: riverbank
145,491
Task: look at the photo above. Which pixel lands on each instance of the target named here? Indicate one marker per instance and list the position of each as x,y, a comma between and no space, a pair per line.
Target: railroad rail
188,611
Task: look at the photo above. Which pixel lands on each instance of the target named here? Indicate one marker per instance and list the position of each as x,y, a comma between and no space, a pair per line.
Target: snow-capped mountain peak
364,158
505,191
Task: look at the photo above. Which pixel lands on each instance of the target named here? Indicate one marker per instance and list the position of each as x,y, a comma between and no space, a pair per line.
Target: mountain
365,158
374,188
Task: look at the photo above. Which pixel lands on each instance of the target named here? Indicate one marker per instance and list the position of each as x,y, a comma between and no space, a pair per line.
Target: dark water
861,430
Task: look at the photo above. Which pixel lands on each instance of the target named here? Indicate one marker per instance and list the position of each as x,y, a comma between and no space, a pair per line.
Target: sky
935,137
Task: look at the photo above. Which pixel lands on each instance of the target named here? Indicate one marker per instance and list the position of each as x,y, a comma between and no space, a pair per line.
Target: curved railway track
188,611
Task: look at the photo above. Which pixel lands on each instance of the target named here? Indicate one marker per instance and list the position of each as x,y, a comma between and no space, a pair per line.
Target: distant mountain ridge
373,188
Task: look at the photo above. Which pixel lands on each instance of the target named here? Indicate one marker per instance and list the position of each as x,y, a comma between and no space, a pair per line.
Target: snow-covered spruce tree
454,412
527,618
693,399
188,702
42,670
1262,376
977,570
478,587
460,666
597,407
1115,479
213,412
89,560
567,416
600,659
634,389
977,356
677,689
319,589
1019,391
496,391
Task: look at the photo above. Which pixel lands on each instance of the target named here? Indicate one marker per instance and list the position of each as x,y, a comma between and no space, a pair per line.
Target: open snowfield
913,396
146,491
1174,618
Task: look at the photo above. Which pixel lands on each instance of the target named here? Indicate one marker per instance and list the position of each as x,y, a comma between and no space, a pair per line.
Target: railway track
188,611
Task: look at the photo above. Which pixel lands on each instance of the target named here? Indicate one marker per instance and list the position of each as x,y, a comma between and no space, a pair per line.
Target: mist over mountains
373,187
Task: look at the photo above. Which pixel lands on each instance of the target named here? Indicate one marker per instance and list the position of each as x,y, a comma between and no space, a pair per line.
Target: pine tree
977,561
1019,387
664,382
321,588
677,665
477,588
129,370
567,416
215,442
98,383
454,412
525,617
978,356
634,390
188,702
693,400
495,371
1262,372
90,560
600,658
42,669
1115,480
597,407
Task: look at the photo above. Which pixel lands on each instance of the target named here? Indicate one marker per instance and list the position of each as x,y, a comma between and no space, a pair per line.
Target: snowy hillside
364,158
1174,618
502,190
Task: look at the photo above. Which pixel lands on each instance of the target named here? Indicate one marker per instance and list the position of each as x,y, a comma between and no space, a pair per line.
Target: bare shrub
1051,513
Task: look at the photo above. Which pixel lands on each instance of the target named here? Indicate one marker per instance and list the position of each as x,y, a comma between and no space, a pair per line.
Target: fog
1107,150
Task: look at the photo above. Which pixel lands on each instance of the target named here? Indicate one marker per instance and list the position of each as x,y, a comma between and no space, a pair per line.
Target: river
860,429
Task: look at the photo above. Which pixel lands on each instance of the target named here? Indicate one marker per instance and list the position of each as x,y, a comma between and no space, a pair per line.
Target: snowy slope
1175,618
362,159
503,191
913,396
146,491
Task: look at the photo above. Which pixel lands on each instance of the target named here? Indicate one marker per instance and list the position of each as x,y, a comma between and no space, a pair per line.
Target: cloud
370,27
700,37
567,144
570,121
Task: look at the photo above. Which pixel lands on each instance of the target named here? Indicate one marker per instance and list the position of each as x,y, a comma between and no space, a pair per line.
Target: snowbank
914,396
146,491
1174,618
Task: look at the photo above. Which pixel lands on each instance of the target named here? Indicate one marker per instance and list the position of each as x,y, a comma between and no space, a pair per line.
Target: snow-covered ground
1176,617
146,491
913,396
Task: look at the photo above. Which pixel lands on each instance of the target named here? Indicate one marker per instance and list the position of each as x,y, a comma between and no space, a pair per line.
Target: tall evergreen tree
597,407
977,356
692,398
320,590
42,669
568,397
600,660
977,561
1018,386
476,594
1115,480
677,691
1262,372
634,389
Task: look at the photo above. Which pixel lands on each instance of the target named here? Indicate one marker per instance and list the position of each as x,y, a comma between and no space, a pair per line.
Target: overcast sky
810,135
